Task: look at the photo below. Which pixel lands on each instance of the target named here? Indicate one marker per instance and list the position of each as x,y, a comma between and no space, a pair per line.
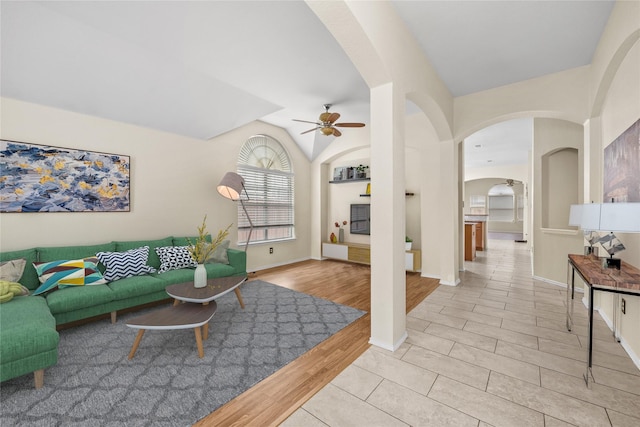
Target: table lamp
618,217
231,187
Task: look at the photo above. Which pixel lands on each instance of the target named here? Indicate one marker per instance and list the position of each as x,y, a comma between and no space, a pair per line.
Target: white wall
173,181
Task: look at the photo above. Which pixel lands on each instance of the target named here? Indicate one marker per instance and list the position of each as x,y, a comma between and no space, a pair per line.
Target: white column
388,275
447,230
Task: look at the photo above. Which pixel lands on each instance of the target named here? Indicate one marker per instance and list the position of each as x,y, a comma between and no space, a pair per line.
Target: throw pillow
11,271
125,264
220,254
174,257
63,273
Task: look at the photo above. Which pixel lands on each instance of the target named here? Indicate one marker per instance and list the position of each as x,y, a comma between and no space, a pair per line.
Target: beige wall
173,180
620,110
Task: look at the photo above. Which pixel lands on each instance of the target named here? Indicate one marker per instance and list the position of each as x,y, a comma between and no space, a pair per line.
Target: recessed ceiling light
489,161
478,146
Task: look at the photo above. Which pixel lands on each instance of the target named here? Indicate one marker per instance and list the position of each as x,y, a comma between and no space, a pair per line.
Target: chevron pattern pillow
63,273
174,257
125,264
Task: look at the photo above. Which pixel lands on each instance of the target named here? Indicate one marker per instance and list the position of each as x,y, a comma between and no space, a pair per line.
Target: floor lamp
230,187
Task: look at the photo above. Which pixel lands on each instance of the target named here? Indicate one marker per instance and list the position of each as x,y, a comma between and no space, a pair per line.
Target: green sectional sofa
28,324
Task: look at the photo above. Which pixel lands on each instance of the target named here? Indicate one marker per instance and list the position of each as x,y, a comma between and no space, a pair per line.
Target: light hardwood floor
272,400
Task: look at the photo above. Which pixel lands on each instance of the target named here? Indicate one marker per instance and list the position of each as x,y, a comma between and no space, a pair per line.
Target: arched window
269,181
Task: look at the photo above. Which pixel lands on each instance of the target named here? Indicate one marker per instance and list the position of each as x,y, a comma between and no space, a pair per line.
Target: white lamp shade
231,186
590,217
575,215
620,217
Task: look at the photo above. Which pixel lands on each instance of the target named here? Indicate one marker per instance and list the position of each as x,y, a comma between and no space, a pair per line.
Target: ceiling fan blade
336,132
333,117
306,121
310,130
349,125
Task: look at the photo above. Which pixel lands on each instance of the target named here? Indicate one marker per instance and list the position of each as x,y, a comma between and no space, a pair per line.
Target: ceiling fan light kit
326,123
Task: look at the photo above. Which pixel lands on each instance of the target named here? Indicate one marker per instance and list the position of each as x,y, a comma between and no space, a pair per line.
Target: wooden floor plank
271,401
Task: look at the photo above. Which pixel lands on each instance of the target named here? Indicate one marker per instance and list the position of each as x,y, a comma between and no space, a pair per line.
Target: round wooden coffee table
215,288
183,316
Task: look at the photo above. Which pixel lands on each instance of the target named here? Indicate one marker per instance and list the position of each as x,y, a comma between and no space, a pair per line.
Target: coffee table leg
199,341
239,295
176,302
136,343
205,332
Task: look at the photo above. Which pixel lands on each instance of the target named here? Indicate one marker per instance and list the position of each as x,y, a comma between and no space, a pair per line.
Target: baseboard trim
553,282
385,346
280,264
448,283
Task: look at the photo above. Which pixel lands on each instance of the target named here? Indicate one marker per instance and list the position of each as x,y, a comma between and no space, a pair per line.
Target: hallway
493,351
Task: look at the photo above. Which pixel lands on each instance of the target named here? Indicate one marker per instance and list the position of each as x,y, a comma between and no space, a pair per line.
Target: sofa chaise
29,324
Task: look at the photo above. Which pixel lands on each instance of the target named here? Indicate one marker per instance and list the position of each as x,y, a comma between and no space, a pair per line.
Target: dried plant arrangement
201,249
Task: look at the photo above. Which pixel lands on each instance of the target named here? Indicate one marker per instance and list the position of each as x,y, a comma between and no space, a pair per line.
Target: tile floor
492,351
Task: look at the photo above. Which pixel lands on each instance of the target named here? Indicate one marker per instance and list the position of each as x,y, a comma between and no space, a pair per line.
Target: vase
341,235
200,277
407,246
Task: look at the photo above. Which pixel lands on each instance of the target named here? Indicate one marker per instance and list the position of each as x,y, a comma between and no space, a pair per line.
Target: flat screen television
360,219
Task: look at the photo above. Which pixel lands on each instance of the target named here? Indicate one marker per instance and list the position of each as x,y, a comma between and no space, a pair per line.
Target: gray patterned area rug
166,384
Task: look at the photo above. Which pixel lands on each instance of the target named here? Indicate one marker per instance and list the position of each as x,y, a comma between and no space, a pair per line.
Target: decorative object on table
333,238
202,249
408,242
610,217
361,171
231,187
622,167
40,178
341,230
592,238
368,189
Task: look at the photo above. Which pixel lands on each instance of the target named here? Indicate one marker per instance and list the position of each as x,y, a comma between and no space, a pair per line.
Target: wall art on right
622,167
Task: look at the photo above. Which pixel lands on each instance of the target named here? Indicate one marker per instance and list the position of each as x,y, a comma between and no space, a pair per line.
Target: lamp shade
575,215
590,217
231,186
620,217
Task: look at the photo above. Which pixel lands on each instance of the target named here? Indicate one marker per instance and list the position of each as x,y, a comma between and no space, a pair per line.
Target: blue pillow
125,264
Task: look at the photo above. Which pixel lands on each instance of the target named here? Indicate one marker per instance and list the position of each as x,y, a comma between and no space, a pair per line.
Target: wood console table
625,281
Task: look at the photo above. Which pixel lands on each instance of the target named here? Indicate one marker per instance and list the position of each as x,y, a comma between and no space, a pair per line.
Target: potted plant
361,171
202,249
407,243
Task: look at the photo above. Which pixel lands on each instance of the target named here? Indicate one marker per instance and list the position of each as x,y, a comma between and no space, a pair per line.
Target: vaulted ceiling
203,68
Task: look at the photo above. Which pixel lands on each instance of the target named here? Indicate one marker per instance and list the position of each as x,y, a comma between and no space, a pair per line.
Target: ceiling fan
512,182
327,124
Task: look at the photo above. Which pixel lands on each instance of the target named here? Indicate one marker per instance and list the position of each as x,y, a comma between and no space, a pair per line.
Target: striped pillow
125,264
63,273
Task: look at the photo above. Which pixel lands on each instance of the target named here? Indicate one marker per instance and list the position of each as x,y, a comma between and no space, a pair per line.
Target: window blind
269,203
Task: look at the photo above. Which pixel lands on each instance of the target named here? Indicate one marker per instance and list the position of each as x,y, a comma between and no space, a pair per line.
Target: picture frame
622,167
42,178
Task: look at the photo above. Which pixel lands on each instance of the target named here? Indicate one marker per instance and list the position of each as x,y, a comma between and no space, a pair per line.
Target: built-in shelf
408,194
343,181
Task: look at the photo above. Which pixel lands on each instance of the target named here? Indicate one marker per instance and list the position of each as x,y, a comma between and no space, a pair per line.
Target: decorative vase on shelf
333,238
407,246
341,235
200,277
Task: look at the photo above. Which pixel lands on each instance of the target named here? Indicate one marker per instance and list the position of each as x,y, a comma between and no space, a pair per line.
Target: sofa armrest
237,260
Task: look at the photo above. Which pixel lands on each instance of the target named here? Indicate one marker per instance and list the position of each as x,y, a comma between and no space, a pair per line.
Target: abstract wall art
622,167
39,178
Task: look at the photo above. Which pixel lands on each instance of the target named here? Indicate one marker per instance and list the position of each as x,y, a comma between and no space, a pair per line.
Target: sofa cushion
11,271
73,252
63,273
187,241
137,285
175,257
28,328
78,297
125,264
29,276
220,254
154,260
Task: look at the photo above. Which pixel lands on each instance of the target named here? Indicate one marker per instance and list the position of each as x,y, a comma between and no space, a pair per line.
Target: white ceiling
203,68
